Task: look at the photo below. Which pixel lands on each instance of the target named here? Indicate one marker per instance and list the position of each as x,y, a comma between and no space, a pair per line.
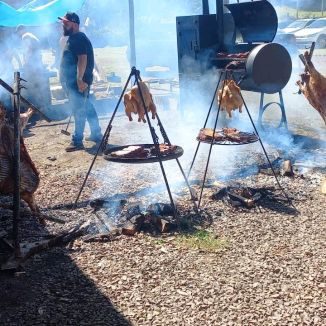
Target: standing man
76,76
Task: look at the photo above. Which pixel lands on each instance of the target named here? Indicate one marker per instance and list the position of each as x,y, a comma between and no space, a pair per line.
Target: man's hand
82,86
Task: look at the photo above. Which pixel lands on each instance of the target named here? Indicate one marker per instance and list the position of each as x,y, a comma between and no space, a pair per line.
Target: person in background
31,49
12,62
76,76
33,71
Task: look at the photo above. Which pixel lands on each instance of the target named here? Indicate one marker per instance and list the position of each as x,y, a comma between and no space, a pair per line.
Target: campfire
246,197
128,219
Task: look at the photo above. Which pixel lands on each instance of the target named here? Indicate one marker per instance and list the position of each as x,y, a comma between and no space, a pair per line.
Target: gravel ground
271,272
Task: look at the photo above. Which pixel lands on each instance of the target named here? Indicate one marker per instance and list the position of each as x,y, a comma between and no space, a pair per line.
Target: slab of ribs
140,151
313,86
29,176
225,134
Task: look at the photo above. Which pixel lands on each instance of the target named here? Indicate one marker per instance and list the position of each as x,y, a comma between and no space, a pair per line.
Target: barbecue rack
252,138
148,158
156,155
226,74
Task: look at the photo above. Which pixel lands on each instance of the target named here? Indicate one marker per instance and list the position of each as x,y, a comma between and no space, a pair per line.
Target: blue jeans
82,109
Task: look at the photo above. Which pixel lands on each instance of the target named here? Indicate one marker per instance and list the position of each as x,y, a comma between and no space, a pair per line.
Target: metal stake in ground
16,164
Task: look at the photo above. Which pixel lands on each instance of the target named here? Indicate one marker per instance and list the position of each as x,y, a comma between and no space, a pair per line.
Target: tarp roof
37,12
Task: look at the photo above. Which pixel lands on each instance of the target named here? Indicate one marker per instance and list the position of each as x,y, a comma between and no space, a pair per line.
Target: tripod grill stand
104,142
225,75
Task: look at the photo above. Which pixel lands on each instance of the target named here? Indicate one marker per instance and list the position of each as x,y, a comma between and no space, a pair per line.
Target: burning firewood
230,99
313,86
287,168
134,104
29,176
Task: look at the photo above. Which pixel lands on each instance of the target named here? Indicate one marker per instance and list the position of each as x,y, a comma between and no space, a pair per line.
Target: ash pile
120,217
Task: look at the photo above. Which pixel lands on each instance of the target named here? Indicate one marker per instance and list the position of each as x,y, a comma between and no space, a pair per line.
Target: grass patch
202,240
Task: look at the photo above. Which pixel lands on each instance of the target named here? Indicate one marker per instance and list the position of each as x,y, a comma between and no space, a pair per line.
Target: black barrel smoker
209,41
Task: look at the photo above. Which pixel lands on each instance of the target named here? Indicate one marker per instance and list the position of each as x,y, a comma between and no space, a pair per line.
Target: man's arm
81,67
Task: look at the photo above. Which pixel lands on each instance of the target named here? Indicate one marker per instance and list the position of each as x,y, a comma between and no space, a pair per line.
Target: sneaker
74,147
94,138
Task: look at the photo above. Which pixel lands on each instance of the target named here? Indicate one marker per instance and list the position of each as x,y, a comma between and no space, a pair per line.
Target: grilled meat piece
234,65
313,87
230,131
131,152
241,55
134,104
29,176
164,149
206,134
231,98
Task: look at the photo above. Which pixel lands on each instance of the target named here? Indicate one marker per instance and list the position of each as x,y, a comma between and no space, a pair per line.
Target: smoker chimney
205,6
219,19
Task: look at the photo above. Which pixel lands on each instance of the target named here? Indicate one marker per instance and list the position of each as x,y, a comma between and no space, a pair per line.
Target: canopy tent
37,12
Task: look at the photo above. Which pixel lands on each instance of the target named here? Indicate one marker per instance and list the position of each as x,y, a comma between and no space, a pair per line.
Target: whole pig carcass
313,86
134,104
29,176
230,98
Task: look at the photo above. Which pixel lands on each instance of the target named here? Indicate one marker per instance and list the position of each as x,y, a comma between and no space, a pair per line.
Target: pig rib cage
17,99
226,74
159,157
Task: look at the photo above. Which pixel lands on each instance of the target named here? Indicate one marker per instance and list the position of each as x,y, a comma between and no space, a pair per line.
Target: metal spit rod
22,99
16,164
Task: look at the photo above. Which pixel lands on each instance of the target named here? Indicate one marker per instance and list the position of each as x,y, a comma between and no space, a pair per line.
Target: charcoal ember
138,220
129,229
220,194
133,210
163,225
160,209
100,202
97,203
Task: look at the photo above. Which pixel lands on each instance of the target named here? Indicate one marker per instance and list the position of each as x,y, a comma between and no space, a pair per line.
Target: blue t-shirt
77,44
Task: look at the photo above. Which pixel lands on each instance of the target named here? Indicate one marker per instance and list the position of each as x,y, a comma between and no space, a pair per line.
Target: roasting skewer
28,103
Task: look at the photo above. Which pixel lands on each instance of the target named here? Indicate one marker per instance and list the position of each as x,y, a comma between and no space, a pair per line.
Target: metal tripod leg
105,136
264,150
158,153
167,140
212,142
208,114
